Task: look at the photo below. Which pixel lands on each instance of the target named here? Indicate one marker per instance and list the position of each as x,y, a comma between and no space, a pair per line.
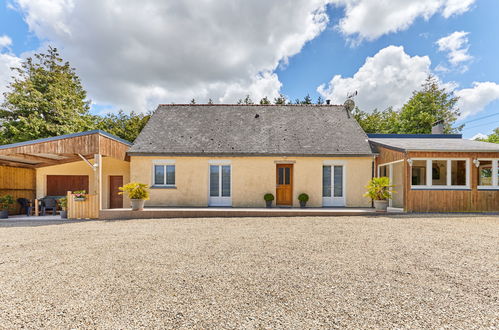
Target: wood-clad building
94,161
439,173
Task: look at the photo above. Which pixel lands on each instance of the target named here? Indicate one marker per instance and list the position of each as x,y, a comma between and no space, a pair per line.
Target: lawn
402,272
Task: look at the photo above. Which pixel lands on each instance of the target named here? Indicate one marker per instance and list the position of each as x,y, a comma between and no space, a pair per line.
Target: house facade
232,155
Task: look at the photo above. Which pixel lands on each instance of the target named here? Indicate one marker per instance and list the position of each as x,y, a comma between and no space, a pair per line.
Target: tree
210,101
265,101
281,100
306,100
45,99
386,121
320,100
247,100
125,126
428,105
493,138
193,101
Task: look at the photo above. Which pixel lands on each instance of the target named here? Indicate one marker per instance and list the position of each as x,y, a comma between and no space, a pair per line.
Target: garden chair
49,204
25,206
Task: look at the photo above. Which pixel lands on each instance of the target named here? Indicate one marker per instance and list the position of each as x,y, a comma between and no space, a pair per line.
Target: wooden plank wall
18,182
473,200
113,148
87,209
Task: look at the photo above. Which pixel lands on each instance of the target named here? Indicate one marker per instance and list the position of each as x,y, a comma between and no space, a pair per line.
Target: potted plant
63,202
5,203
79,195
137,192
303,198
378,190
268,199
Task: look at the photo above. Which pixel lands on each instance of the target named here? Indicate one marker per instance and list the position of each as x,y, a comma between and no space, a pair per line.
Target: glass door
333,183
220,185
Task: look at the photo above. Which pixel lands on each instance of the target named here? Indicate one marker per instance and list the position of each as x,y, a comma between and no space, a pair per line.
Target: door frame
219,200
291,181
110,191
336,201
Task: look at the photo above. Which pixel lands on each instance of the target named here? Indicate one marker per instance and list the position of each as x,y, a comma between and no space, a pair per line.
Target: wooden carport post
98,178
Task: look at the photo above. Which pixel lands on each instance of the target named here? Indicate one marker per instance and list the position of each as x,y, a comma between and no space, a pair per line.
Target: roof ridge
248,105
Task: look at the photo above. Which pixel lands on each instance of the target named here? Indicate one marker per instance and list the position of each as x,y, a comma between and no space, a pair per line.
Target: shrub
135,190
303,197
268,197
6,201
63,202
378,189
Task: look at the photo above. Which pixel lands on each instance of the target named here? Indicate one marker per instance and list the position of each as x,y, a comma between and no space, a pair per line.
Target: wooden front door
284,184
115,200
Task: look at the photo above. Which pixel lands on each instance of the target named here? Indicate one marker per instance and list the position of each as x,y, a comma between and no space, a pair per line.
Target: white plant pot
137,204
381,206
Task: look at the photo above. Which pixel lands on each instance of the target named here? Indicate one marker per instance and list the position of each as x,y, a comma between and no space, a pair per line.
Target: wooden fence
87,209
19,183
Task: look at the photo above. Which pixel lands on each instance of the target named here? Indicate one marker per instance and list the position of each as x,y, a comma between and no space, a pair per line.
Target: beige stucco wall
110,166
252,177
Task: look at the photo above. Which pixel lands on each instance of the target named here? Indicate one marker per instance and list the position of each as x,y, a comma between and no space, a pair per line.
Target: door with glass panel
220,185
333,185
284,184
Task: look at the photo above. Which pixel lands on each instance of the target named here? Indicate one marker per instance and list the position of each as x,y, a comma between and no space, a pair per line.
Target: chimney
328,102
438,127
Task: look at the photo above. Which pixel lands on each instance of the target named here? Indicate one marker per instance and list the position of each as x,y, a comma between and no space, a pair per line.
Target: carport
94,161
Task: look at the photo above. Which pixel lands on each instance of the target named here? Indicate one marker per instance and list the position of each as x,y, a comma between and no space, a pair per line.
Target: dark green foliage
45,99
265,101
493,138
125,126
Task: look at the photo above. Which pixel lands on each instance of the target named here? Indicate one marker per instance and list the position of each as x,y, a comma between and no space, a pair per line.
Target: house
231,155
439,172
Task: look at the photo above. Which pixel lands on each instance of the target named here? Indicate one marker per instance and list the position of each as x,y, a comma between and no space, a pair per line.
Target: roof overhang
63,149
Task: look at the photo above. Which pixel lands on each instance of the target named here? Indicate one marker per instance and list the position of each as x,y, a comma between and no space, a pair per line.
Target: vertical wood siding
18,182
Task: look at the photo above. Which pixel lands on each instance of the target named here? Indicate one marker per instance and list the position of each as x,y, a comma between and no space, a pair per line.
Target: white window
488,173
440,173
163,174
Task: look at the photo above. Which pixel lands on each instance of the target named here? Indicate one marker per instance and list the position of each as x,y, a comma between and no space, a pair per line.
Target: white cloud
479,136
137,54
475,99
5,42
456,45
7,60
370,19
386,79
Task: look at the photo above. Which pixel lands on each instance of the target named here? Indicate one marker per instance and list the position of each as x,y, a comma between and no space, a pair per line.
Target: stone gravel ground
293,273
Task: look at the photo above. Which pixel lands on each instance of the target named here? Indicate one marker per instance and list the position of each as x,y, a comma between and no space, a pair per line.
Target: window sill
488,188
163,187
442,188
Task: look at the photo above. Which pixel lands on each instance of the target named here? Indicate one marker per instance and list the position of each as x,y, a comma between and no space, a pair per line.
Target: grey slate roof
251,130
438,144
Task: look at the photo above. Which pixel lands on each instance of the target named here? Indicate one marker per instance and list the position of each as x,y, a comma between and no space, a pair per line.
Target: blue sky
134,62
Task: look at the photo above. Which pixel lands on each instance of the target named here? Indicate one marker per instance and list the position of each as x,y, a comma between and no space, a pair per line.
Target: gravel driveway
369,272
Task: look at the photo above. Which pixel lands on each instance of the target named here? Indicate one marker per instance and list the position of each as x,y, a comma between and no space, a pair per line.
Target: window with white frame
440,173
488,173
164,174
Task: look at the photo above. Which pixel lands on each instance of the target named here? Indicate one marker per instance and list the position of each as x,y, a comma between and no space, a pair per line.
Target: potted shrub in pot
303,198
5,203
138,194
268,199
63,202
378,190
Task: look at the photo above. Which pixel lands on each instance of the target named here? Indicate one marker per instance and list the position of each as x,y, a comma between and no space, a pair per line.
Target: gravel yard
370,272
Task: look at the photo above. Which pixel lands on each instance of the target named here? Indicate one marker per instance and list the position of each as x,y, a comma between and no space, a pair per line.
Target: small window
438,172
164,175
458,173
485,173
419,172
